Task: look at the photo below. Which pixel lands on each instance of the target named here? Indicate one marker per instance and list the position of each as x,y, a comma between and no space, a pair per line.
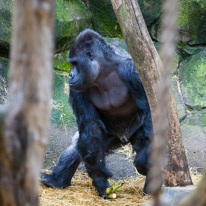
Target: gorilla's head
88,58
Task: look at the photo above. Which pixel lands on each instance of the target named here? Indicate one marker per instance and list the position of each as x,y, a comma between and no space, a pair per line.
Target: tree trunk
24,125
148,65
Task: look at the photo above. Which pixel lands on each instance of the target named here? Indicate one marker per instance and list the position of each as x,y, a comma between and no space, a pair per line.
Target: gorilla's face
85,57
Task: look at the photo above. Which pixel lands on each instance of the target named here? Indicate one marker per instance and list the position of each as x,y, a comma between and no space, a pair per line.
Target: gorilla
111,109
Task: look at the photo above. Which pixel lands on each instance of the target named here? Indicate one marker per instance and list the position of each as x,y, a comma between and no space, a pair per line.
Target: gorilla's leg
66,166
140,145
92,151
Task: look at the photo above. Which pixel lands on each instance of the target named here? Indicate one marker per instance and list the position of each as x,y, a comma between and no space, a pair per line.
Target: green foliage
60,62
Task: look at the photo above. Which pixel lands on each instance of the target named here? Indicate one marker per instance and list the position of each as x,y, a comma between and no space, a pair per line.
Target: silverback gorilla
111,109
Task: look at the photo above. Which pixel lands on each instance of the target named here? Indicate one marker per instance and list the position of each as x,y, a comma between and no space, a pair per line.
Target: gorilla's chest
112,96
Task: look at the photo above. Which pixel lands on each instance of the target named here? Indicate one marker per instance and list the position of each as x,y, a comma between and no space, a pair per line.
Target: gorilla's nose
71,75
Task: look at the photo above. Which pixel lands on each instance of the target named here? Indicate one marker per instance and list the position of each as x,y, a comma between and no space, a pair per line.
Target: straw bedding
81,192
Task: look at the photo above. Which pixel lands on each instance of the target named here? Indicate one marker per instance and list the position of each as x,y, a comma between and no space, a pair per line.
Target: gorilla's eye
89,53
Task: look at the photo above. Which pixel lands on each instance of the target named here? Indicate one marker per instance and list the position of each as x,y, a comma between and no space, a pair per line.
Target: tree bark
24,125
148,65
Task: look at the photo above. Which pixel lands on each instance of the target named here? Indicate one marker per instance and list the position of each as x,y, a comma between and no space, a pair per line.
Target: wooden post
24,125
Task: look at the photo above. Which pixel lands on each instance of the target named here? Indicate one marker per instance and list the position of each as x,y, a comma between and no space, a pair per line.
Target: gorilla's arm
83,109
91,143
71,157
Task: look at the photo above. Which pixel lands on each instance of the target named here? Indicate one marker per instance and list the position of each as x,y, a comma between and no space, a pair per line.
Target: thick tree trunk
148,64
24,125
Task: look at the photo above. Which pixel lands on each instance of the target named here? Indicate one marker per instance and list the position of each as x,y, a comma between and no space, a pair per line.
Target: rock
193,132
192,78
5,20
104,19
117,43
151,11
71,18
178,192
186,51
175,194
105,22
172,196
192,21
119,46
61,112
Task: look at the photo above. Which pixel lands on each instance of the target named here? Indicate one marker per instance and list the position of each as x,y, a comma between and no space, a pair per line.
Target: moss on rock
192,76
71,18
61,111
5,20
192,21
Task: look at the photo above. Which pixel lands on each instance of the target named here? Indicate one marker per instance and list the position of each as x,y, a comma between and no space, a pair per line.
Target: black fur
97,134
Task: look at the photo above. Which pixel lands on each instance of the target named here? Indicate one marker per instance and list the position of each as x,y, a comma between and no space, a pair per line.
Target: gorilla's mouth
73,83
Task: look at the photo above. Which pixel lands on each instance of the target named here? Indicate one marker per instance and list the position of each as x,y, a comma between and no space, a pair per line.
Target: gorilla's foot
101,184
50,180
